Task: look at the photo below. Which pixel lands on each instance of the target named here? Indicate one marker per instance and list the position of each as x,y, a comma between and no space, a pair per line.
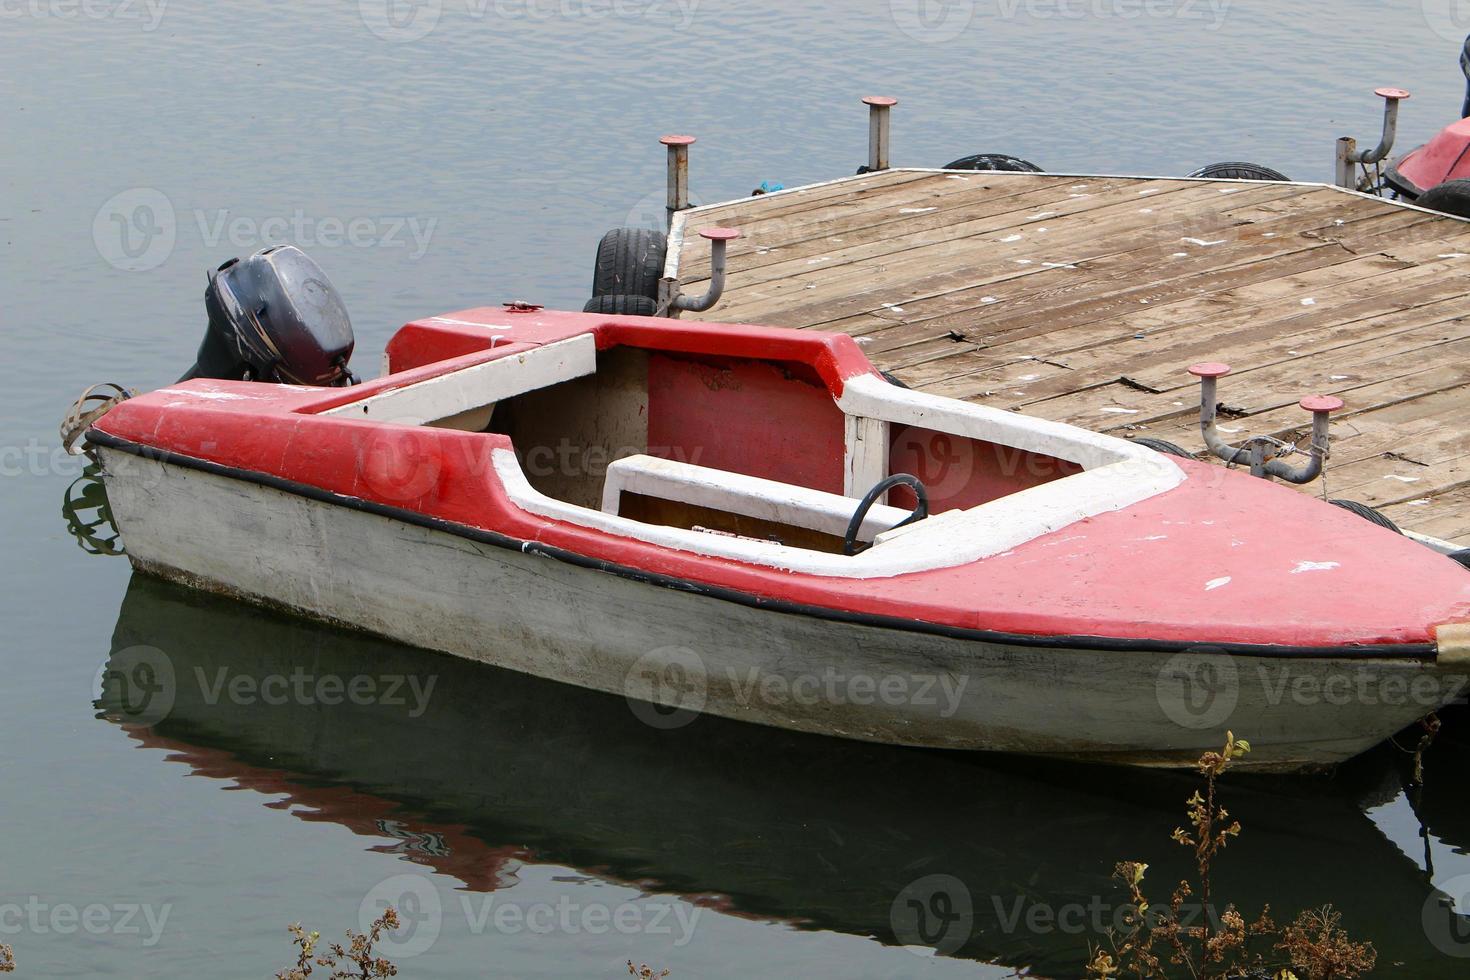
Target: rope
1372,182
92,404
1284,448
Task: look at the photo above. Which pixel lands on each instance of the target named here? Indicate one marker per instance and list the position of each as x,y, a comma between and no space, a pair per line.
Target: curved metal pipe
1391,98
1255,451
718,239
1209,375
1321,407
1349,157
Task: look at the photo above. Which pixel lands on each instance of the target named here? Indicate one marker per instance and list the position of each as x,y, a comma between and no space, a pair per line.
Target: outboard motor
275,317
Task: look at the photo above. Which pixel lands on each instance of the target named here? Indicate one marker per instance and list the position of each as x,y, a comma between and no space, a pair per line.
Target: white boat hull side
595,629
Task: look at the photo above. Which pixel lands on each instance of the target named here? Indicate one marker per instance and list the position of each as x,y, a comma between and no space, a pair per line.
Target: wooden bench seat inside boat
678,494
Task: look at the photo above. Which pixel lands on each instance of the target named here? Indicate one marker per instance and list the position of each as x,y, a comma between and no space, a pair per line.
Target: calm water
546,832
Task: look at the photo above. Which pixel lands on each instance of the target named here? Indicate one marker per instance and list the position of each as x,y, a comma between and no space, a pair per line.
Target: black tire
1167,448
995,161
1367,513
630,262
622,306
1236,170
1451,197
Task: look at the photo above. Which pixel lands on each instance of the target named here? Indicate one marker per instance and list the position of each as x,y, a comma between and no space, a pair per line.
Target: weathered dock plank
1084,299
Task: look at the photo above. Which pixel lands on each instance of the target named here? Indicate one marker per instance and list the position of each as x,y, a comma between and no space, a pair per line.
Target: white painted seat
478,387
747,496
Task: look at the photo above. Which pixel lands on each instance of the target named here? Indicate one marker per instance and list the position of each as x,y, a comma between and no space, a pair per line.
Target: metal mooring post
1260,453
678,199
1347,172
880,112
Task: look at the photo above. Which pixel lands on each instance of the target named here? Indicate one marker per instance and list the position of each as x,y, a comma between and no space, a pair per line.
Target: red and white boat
658,509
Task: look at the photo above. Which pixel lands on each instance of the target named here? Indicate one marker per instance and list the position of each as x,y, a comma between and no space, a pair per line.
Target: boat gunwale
1357,652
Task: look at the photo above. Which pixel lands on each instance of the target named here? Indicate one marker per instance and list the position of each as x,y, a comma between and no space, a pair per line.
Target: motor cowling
275,317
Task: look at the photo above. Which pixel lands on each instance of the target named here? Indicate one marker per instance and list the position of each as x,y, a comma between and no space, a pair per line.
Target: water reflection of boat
499,768
89,516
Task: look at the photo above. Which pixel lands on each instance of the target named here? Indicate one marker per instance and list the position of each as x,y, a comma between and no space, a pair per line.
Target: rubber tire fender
1452,197
1165,447
630,262
621,305
1368,514
1003,162
1239,170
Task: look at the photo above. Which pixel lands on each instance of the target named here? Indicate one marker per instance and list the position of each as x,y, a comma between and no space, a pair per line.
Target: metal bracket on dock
718,239
1262,453
880,118
1348,154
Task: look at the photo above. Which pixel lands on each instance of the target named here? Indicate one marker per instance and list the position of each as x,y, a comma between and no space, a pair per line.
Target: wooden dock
1084,299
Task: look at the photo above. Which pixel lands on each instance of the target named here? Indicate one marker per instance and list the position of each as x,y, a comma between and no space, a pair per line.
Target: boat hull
676,652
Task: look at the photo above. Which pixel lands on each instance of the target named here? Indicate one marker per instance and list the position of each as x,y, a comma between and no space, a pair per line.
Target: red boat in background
1442,159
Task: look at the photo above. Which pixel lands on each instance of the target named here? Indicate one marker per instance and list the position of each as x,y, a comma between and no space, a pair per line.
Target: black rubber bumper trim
1402,651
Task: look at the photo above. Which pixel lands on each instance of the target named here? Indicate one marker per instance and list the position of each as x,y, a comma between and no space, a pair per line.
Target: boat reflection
471,771
88,516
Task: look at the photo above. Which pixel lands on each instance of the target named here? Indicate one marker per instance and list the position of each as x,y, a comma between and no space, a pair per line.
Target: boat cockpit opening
725,447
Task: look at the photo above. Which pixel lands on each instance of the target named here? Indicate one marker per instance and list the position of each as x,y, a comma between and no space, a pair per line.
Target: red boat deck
1083,299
